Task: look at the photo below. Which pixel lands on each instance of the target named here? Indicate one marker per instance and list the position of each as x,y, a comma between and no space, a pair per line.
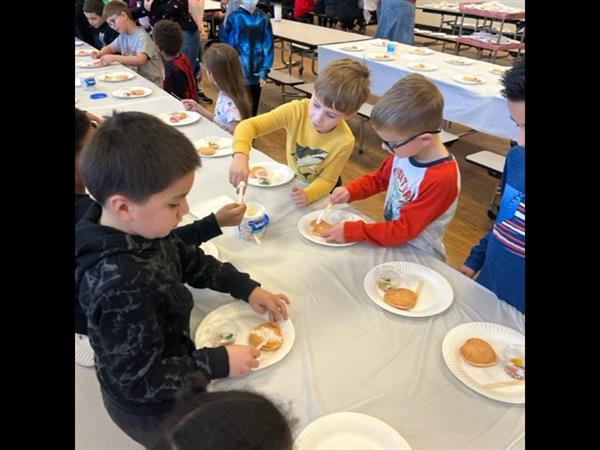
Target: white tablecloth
480,107
349,354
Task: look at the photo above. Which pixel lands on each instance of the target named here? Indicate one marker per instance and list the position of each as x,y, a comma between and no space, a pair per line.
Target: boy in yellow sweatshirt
319,141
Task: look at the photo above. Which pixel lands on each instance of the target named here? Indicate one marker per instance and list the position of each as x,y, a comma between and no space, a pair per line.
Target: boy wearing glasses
420,176
136,48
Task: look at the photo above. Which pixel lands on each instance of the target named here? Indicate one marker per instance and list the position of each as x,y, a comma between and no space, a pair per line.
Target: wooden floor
470,222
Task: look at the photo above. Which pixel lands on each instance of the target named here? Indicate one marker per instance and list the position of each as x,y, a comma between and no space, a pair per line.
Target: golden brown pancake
320,228
137,92
258,172
478,352
206,151
177,117
400,298
269,332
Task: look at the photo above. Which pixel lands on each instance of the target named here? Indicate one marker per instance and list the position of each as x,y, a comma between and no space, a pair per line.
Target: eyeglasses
392,148
112,20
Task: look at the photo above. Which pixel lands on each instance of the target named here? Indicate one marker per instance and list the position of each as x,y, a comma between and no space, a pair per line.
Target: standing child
179,75
319,141
102,34
131,273
134,45
223,68
500,255
248,30
420,176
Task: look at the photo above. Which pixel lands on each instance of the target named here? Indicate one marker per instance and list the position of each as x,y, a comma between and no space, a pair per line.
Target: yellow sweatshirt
317,158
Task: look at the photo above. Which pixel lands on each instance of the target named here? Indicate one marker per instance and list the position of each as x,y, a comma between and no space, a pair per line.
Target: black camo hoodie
138,311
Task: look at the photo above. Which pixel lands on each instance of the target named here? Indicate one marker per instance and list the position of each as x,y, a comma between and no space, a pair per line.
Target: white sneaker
84,355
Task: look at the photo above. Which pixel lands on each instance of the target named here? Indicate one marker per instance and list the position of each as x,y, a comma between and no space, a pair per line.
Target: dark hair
514,82
223,63
116,7
223,420
137,155
168,37
93,6
82,125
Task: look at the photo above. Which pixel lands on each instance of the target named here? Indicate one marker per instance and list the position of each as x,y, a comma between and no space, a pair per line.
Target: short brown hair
137,155
116,7
93,6
168,37
412,104
343,85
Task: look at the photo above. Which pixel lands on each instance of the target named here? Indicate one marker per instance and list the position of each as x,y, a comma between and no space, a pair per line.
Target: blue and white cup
255,222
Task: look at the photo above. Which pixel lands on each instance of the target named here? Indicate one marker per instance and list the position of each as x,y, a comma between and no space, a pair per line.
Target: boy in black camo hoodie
131,269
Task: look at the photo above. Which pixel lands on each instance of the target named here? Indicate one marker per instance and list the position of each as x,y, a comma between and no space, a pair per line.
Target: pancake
267,333
478,352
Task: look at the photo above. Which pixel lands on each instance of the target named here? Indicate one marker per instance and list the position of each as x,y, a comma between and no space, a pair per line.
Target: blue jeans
191,47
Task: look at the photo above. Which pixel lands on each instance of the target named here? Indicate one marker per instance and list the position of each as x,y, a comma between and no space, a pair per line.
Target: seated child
420,176
102,34
131,273
134,44
179,75
224,70
319,141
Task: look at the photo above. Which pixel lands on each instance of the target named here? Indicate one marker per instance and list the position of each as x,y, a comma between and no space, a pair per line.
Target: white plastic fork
240,189
323,213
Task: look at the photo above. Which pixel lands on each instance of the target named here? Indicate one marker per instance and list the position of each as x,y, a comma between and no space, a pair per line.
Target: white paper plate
90,64
78,43
422,67
210,249
349,431
239,318
436,295
126,93
380,57
223,142
499,70
352,48
460,61
421,51
379,42
498,337
77,82
83,52
192,116
332,216
116,76
278,174
467,79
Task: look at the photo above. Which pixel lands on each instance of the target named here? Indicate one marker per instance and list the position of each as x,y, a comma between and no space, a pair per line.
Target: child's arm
249,129
193,105
371,183
199,231
477,257
434,198
106,50
130,60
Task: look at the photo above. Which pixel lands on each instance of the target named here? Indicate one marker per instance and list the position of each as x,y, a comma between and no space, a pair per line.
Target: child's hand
231,214
262,82
335,233
299,197
191,105
262,300
94,54
241,359
107,59
467,271
339,195
238,171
